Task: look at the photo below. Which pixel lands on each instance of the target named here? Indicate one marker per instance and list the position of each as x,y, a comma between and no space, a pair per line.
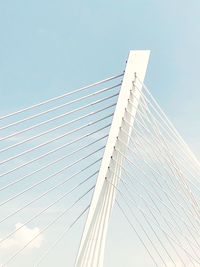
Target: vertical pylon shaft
91,250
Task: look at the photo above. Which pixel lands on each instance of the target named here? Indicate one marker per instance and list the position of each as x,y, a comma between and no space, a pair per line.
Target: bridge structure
68,162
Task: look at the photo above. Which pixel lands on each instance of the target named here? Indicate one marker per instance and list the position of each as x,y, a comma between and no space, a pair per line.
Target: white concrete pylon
91,250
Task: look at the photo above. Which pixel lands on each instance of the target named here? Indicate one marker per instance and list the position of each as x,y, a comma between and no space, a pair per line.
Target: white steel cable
170,152
59,137
144,230
56,128
175,190
68,155
46,228
173,131
170,125
153,169
176,242
148,190
137,193
60,237
181,175
172,198
62,96
158,211
149,207
52,151
162,145
49,177
159,126
50,164
134,229
184,166
165,126
55,118
170,211
50,190
176,162
53,109
45,209
119,139
173,161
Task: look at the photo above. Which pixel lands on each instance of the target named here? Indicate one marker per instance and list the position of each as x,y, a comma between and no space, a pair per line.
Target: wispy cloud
21,238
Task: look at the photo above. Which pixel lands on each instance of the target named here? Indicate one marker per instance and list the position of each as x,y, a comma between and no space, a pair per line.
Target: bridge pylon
92,246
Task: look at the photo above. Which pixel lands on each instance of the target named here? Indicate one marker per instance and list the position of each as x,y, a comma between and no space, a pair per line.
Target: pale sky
50,47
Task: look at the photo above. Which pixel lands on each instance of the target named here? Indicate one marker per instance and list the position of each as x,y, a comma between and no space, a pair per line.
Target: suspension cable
62,96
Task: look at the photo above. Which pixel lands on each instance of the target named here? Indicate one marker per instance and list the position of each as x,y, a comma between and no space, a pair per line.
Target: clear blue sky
49,47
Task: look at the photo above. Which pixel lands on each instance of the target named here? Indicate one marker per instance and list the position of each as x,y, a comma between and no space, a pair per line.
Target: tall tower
91,250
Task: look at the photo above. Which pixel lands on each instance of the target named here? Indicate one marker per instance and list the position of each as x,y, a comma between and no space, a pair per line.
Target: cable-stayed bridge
68,162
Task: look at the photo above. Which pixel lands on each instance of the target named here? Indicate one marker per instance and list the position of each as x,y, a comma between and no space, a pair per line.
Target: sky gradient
50,47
